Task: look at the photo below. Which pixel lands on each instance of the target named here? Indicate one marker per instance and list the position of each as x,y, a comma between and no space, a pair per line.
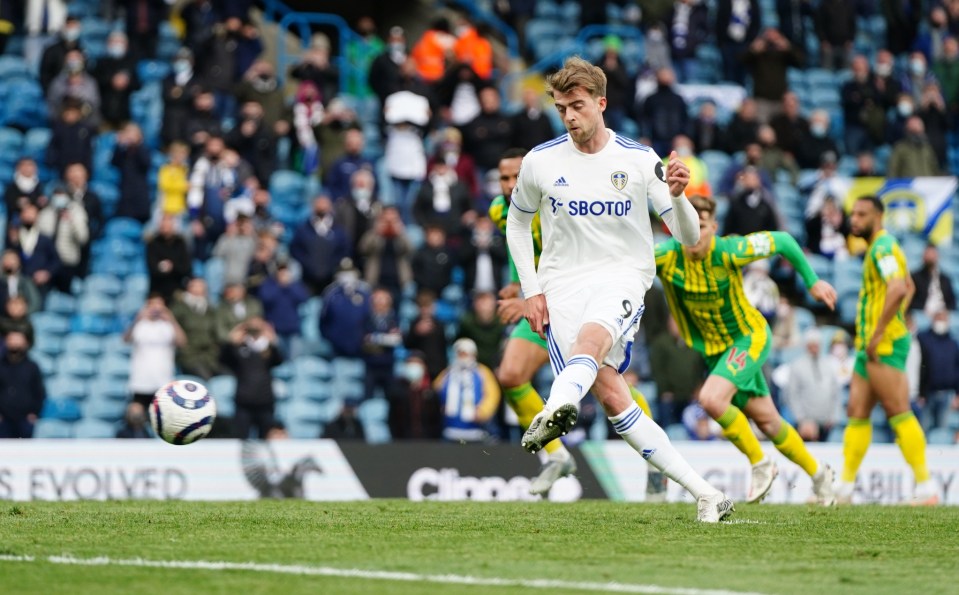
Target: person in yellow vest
173,182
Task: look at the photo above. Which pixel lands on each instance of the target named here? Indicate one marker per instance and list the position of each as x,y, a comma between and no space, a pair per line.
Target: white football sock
572,383
650,441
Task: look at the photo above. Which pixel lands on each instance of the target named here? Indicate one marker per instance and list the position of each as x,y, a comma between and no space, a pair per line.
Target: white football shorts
617,307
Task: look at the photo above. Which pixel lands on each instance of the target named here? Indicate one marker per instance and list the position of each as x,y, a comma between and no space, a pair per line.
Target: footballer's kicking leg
891,388
716,398
577,374
784,436
858,433
521,359
650,441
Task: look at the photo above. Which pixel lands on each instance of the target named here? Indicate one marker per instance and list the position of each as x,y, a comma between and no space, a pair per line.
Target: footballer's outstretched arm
764,244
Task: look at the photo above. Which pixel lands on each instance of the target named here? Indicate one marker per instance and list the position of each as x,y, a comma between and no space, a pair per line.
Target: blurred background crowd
300,220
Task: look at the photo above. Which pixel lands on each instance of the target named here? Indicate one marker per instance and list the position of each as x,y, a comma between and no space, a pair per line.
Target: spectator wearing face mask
414,408
200,355
751,207
913,155
386,251
13,282
25,187
72,138
254,141
134,423
934,290
55,55
338,176
132,158
179,89
21,389
153,336
813,393
16,318
939,372
65,221
886,79
116,77
469,395
817,141
37,252
74,82
382,338
444,202
251,353
357,209
384,74
282,295
259,84
346,305
319,244
917,76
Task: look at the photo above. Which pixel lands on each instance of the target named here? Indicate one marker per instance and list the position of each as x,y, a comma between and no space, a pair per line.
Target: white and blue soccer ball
182,412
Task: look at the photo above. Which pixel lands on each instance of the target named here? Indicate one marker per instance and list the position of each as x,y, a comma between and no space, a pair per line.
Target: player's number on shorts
627,308
736,360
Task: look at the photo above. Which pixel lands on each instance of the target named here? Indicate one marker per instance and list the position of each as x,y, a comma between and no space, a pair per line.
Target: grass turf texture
771,549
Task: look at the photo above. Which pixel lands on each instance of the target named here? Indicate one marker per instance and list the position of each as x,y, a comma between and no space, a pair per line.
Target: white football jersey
594,210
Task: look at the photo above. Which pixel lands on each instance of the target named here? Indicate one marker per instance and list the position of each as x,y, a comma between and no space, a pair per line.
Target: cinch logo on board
427,483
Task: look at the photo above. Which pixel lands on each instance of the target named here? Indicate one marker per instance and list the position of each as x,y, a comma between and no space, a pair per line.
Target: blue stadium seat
374,410
312,368
12,66
122,227
48,428
153,70
310,389
46,363
303,430
76,364
96,303
804,318
86,345
114,344
51,345
11,144
50,323
128,304
377,433
677,432
35,143
847,306
103,285
65,386
305,411
61,303
109,410
942,436
106,387
287,187
346,388
94,324
836,434
94,429
214,276
348,367
284,371
281,389
61,409
222,387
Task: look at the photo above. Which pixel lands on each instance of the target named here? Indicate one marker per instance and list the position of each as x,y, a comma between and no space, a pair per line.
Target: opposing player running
882,346
593,189
526,352
704,289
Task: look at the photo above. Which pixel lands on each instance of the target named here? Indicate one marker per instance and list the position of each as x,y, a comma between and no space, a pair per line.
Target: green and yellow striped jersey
884,262
706,296
498,210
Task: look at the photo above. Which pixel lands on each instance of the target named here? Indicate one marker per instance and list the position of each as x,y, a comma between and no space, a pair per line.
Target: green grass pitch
641,547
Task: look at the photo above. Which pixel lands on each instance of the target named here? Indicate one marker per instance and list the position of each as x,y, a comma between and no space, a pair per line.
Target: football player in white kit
592,189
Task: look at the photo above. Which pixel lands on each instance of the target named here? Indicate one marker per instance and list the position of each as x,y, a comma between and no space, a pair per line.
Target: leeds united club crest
619,179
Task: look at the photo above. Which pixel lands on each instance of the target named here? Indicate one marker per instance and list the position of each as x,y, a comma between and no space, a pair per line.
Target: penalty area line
380,575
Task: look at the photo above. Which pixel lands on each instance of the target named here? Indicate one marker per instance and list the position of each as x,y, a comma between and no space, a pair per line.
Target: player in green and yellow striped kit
526,351
882,344
704,289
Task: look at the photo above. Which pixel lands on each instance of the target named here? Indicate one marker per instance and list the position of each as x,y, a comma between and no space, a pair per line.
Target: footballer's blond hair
577,72
705,206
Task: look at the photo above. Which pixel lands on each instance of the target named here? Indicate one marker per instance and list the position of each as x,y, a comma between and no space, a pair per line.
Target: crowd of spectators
394,239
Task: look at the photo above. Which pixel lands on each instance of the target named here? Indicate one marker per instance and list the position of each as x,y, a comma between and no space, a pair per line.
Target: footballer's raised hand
677,175
537,315
825,293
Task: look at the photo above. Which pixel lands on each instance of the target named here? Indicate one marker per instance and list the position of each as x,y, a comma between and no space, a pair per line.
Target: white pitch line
381,575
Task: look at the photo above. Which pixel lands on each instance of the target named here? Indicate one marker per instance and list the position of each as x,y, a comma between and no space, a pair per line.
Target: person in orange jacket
434,50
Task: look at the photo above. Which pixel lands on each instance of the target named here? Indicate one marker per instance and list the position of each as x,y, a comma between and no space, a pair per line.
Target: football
182,412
